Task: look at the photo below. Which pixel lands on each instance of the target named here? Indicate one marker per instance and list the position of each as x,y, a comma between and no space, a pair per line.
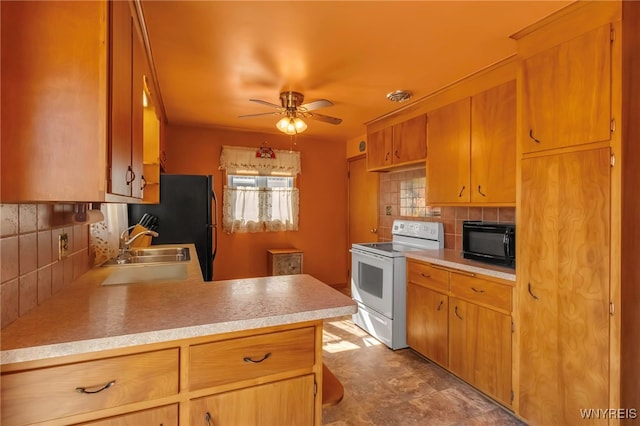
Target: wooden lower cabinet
427,323
162,416
283,403
265,377
462,322
480,348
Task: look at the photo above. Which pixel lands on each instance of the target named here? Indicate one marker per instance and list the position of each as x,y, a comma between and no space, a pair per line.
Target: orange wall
322,234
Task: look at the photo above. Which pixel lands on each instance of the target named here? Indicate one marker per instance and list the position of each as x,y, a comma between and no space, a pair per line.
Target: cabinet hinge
612,160
612,35
612,309
513,327
315,388
613,125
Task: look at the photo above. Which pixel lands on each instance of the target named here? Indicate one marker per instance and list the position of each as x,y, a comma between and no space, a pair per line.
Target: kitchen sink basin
152,255
140,273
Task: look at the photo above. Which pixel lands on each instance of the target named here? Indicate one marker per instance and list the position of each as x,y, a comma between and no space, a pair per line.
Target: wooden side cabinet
284,261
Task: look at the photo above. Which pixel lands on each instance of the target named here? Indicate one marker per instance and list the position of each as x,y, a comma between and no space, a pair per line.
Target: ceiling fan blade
266,103
325,118
320,103
259,114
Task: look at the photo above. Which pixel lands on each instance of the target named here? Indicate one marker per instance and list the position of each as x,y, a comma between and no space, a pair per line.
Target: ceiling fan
294,110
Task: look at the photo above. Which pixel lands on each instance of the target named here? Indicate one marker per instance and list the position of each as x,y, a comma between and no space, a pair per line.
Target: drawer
165,416
50,393
234,360
428,276
287,264
481,291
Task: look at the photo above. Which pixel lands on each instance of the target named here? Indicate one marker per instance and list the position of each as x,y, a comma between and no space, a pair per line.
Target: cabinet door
480,348
448,143
287,402
563,285
493,145
121,57
567,93
427,318
138,71
410,140
379,145
162,416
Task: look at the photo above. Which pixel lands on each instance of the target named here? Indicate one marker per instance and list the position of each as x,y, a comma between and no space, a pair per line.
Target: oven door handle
367,255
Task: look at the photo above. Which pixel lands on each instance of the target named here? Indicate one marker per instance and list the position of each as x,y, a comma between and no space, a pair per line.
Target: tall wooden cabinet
578,242
71,107
472,146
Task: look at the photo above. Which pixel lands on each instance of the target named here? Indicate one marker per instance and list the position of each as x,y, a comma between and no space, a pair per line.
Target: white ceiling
211,57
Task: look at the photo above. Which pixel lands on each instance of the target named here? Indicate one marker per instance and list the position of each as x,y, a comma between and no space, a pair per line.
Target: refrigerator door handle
214,224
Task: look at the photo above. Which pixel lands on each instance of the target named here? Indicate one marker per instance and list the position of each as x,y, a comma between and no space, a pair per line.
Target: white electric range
378,279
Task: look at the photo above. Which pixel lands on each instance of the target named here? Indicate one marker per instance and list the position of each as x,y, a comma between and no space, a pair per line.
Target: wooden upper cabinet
379,147
472,149
54,101
410,140
70,128
493,145
448,161
398,145
567,93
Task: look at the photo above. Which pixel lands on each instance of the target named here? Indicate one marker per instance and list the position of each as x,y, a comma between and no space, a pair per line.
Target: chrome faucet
124,256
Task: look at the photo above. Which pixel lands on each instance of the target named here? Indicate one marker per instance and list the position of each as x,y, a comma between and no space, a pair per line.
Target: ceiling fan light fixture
399,95
291,125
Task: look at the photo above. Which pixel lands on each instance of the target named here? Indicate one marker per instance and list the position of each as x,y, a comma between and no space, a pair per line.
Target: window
260,193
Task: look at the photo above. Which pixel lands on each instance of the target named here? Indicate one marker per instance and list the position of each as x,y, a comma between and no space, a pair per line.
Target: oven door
372,281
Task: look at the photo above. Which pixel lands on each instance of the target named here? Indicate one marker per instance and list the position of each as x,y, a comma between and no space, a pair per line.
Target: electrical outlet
63,246
388,210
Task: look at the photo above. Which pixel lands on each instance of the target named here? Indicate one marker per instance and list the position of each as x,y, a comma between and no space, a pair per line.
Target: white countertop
453,259
89,317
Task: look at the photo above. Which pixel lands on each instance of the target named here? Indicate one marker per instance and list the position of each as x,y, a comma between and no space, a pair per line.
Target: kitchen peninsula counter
89,317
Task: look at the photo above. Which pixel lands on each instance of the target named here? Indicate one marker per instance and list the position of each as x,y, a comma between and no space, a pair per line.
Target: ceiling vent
399,95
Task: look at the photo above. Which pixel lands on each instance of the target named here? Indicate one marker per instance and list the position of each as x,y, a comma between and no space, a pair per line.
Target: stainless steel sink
142,273
152,255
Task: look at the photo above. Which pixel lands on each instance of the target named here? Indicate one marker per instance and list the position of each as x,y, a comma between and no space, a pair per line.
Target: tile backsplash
30,271
402,196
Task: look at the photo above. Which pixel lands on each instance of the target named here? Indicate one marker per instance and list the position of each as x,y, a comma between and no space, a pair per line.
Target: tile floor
385,387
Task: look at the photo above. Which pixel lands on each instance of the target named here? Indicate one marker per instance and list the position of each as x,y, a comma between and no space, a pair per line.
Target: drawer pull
256,361
456,312
207,418
425,275
477,290
440,305
107,386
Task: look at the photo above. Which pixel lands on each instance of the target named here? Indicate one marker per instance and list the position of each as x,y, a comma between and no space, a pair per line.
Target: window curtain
260,209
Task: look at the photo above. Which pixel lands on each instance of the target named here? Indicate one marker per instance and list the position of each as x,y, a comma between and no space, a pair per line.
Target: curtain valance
264,161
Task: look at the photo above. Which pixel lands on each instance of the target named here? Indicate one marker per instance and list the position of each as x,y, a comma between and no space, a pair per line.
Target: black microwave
489,242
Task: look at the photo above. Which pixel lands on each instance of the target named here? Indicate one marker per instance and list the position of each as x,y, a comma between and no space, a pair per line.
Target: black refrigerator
187,213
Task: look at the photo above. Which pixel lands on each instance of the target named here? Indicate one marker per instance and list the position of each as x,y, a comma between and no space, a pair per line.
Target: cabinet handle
425,275
440,305
256,361
386,157
461,191
207,418
531,293
397,154
130,173
144,182
477,290
373,230
533,137
105,387
456,312
480,192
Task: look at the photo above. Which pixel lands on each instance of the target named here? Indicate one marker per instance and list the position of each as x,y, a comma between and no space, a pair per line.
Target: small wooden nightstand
284,261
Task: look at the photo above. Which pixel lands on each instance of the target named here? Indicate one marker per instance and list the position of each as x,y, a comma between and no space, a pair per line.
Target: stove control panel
417,229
